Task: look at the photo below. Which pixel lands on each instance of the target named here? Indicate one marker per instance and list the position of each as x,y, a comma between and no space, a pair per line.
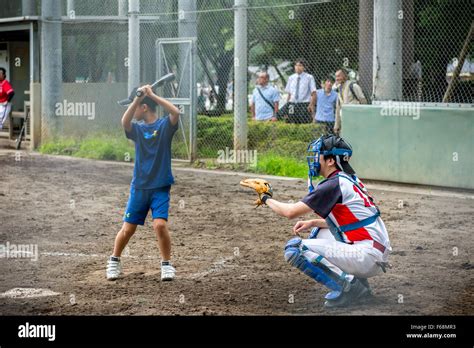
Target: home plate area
228,255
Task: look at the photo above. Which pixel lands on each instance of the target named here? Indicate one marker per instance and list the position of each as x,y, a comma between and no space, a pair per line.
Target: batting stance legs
337,265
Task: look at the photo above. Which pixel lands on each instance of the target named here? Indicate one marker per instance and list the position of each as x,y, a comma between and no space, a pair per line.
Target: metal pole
388,58
51,66
408,38
366,34
133,44
187,28
122,8
33,137
240,75
70,12
121,44
70,51
32,54
193,107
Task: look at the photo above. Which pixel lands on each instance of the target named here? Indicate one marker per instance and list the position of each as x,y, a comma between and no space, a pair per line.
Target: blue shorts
141,201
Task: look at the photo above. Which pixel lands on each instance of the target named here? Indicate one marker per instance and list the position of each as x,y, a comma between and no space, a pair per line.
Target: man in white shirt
265,99
301,89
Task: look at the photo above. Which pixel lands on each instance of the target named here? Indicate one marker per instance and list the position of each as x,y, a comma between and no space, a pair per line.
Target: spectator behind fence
265,99
349,92
201,102
326,99
301,89
6,96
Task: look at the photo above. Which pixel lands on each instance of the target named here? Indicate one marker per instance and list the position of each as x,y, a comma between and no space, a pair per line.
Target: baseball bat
158,83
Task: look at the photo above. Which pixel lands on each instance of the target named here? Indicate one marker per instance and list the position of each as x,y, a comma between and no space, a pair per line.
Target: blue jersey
263,111
326,106
152,153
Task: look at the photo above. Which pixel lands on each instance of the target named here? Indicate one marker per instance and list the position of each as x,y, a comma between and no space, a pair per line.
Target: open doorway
4,56
15,59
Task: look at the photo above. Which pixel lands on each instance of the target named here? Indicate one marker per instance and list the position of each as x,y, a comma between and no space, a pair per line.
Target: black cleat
365,282
356,291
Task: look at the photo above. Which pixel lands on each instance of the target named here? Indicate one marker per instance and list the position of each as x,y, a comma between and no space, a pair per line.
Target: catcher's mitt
262,187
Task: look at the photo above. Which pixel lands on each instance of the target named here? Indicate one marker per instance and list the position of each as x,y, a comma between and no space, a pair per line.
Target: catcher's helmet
329,145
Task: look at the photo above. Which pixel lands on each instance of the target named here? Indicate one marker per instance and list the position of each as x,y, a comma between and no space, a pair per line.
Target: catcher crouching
348,242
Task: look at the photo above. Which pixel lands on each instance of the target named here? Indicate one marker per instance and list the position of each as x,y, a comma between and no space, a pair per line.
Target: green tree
216,43
440,30
324,34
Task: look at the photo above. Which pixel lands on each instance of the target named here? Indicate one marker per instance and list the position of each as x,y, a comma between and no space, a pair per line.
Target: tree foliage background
325,34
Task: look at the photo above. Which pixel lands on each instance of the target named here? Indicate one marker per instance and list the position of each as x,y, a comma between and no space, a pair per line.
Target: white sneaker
167,272
114,269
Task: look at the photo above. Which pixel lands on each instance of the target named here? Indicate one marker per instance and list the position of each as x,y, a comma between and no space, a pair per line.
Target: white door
4,56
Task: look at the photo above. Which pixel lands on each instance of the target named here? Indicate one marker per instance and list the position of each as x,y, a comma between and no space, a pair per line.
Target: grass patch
99,146
267,163
274,164
60,146
281,147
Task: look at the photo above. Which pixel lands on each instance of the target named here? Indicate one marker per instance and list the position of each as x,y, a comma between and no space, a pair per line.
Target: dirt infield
228,255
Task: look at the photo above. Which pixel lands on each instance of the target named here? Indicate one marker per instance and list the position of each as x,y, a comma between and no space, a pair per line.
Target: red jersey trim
344,216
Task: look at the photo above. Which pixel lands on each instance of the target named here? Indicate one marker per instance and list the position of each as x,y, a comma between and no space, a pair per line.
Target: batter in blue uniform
152,176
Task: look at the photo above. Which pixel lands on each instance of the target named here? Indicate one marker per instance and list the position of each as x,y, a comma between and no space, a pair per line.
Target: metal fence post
366,34
70,47
122,8
388,69
70,7
133,44
121,44
187,28
193,106
51,66
240,75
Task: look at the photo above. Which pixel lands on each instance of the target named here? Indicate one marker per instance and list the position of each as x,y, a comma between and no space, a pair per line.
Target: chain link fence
327,35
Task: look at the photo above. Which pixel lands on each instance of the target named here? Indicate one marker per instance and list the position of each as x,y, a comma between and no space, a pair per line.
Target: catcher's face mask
320,147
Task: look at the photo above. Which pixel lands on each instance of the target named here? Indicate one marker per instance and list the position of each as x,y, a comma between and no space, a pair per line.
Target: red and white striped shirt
341,201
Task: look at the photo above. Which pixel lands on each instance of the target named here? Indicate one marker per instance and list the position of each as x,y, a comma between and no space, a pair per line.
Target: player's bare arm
166,104
128,115
302,226
315,104
312,102
265,194
275,110
288,210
